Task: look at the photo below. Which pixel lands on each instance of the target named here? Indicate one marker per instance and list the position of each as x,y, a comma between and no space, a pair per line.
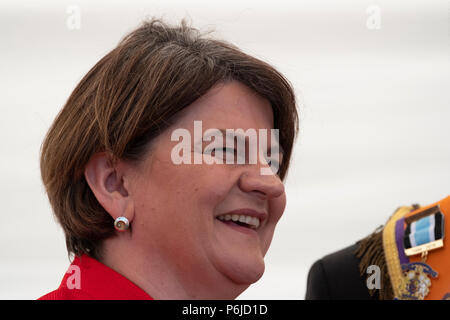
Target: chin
245,273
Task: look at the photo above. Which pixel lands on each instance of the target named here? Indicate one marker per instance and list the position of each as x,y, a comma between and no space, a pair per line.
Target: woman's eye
229,150
224,150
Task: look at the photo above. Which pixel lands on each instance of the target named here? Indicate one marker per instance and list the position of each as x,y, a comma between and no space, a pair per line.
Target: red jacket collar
97,281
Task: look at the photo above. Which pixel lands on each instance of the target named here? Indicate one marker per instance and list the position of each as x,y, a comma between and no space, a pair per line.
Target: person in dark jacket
406,259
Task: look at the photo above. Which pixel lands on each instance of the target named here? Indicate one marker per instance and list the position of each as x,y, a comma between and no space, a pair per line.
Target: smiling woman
139,225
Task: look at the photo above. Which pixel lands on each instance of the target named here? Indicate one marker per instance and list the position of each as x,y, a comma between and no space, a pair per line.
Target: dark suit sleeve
317,285
336,276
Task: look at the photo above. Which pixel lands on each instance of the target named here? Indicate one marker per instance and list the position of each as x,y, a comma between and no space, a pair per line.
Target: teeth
253,222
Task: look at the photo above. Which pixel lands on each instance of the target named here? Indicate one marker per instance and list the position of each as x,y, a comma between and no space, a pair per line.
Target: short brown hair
128,98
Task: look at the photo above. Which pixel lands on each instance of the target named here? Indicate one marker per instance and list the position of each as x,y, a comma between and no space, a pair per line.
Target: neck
163,280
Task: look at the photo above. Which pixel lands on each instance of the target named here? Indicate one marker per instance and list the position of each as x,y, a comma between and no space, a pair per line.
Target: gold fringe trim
391,250
371,251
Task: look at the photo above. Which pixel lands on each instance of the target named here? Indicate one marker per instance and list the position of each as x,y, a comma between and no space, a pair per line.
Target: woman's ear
107,183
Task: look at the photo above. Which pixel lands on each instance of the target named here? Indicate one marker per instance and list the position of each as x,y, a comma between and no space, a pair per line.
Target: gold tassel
370,251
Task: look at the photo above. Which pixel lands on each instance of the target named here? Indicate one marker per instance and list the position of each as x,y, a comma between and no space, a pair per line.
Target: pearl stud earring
121,224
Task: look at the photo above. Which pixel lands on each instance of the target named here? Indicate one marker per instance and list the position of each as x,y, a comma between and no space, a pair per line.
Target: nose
265,187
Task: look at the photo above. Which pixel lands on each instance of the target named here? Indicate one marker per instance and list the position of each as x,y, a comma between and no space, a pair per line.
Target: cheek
186,192
209,186
276,207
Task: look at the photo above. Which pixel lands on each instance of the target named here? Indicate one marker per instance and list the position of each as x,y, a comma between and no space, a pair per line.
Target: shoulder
337,276
64,293
89,279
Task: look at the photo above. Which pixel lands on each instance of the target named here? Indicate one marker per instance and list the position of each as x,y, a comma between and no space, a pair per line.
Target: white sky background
374,107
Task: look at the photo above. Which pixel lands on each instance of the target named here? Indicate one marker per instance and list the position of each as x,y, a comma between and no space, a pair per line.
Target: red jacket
88,279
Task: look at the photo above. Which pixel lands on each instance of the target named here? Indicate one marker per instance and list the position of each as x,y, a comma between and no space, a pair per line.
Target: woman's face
177,206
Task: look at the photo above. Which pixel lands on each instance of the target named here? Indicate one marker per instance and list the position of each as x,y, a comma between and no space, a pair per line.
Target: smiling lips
248,221
244,217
